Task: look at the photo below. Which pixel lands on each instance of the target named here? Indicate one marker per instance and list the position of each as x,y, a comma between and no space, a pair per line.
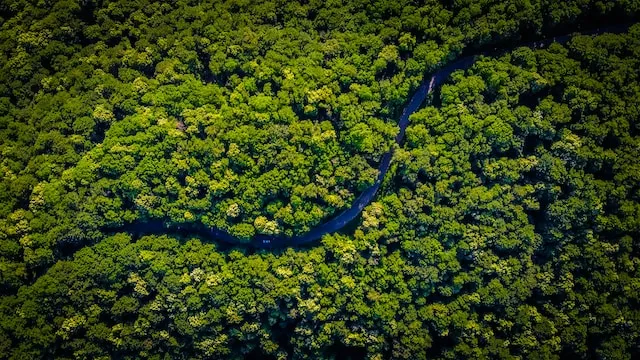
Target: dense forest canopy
507,227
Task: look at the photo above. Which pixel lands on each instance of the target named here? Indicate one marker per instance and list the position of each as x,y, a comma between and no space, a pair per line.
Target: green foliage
507,226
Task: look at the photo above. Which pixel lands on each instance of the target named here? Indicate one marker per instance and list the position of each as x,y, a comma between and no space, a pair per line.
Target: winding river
427,86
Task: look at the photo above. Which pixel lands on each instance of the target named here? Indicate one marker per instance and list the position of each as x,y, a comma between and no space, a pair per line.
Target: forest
507,225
